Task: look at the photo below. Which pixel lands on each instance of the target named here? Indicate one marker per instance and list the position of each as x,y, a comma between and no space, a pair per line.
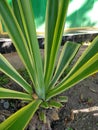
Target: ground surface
81,110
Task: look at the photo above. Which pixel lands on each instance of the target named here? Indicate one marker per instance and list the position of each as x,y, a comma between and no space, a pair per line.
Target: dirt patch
81,110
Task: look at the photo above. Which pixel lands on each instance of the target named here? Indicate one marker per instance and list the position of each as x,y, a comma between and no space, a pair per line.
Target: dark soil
81,110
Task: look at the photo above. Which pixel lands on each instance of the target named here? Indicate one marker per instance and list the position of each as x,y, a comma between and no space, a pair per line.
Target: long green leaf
89,68
8,69
17,14
68,53
55,104
62,11
12,94
51,19
21,118
30,31
17,36
87,54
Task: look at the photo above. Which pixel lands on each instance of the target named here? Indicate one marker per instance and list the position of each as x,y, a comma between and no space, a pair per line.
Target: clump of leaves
20,26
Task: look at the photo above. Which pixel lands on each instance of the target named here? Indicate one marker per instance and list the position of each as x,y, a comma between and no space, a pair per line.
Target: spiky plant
44,76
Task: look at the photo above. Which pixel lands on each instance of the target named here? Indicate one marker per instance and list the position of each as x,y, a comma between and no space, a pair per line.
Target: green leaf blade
91,50
68,53
42,116
17,14
83,72
30,31
17,37
20,119
8,69
51,19
62,11
55,104
33,65
12,94
85,66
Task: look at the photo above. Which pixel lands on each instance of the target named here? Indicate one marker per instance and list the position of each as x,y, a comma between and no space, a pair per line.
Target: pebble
96,81
2,118
6,105
2,101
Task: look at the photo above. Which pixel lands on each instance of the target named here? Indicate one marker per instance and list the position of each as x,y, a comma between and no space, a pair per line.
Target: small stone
55,115
32,127
6,105
2,101
96,81
2,118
